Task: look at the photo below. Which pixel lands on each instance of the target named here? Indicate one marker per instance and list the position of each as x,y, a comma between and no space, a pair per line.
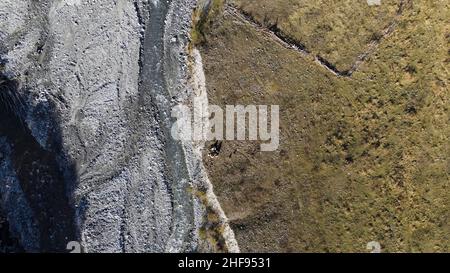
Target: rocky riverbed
88,156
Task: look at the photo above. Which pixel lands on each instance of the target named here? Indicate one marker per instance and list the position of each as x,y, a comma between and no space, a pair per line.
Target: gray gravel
99,79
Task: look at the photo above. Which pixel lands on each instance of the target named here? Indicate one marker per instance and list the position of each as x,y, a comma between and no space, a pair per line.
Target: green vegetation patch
338,31
361,159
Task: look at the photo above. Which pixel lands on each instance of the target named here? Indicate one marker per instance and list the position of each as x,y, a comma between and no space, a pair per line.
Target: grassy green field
363,158
338,31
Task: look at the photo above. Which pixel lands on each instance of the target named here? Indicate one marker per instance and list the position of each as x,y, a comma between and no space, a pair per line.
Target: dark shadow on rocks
44,174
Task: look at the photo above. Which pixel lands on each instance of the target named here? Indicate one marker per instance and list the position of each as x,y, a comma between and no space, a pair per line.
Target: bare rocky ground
85,148
364,156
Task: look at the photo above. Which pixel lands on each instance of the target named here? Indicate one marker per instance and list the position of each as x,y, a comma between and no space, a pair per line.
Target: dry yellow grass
361,159
338,31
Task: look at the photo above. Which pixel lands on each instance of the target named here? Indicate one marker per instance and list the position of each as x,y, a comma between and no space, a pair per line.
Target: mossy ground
361,159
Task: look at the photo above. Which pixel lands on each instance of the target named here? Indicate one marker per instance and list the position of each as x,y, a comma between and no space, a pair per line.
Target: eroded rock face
90,159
